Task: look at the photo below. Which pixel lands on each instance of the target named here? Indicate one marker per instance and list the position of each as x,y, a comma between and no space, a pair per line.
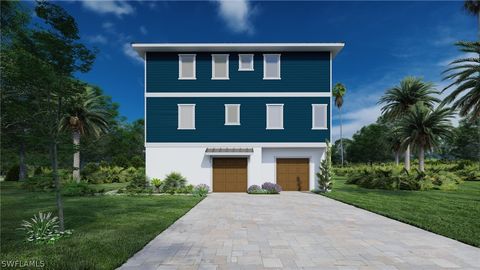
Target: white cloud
100,39
355,120
143,30
115,7
131,53
236,13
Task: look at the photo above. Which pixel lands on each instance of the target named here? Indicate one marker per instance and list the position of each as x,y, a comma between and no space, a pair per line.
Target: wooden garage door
293,174
229,175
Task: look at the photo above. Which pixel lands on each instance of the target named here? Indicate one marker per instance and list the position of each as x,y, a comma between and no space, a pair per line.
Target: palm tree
85,117
465,73
473,7
338,92
399,99
423,128
395,145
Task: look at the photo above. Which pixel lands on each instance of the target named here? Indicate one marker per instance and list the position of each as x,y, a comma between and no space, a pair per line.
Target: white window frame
238,114
179,116
240,62
265,66
228,67
180,75
281,117
313,116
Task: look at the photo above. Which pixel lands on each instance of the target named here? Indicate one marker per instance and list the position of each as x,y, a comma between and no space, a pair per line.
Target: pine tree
325,174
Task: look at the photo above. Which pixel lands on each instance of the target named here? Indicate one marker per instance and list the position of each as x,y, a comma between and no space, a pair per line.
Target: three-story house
231,115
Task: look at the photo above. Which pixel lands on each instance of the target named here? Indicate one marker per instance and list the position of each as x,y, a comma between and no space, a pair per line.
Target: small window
319,116
245,62
220,67
274,116
271,66
186,67
232,114
186,116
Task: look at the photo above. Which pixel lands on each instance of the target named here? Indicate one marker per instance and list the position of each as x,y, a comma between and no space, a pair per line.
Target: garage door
293,174
229,175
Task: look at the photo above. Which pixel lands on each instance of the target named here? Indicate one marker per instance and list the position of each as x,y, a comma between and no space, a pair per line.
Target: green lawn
455,214
107,229
108,187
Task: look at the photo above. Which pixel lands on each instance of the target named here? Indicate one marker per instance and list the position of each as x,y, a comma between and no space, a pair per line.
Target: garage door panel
293,174
230,174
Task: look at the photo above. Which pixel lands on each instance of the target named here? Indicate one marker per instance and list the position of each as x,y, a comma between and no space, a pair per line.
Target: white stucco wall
197,167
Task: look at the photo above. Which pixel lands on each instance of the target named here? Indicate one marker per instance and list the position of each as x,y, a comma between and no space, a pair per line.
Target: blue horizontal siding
300,72
162,120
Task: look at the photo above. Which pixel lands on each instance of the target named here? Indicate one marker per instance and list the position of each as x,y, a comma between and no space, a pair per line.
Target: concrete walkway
296,231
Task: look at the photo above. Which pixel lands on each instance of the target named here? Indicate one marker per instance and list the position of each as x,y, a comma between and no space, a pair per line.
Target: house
231,115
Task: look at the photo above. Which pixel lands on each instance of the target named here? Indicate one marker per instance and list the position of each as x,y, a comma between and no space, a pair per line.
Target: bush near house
266,188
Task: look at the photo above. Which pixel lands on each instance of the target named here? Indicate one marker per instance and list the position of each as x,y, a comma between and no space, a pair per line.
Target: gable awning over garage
228,151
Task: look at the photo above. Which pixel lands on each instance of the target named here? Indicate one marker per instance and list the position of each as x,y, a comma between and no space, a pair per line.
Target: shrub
253,188
272,187
469,173
188,189
88,170
201,190
13,173
39,183
156,182
173,182
77,189
325,171
127,174
138,184
260,191
43,228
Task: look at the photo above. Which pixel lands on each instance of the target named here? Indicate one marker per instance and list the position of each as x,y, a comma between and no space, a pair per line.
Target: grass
108,187
454,214
107,229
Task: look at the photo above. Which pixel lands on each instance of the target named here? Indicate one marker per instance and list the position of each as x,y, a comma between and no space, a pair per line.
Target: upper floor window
271,66
186,116
186,67
245,62
319,116
220,67
274,116
232,114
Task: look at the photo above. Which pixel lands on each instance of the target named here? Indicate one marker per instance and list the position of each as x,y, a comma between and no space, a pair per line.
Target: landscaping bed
107,230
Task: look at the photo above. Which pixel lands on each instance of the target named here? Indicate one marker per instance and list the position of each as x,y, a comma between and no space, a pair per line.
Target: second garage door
293,174
229,175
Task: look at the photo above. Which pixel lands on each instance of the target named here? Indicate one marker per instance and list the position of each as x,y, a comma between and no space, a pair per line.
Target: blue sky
385,41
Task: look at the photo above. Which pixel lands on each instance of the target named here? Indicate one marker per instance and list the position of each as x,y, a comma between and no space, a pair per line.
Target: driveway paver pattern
296,230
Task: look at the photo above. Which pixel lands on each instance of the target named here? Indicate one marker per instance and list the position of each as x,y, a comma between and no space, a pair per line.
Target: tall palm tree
338,92
473,7
85,117
423,128
465,73
398,100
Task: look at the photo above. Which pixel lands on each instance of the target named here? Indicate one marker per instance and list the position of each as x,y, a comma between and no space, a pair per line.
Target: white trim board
239,94
239,144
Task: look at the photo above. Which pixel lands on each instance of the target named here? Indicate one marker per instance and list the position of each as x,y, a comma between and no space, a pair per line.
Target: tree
325,174
370,144
422,128
473,7
85,116
398,100
465,73
57,44
465,144
338,92
336,150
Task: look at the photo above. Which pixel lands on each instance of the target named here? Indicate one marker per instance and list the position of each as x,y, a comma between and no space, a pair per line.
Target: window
186,67
232,114
186,116
319,116
245,62
271,66
219,66
274,116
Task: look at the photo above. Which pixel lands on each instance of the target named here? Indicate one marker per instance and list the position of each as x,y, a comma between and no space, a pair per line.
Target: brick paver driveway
296,231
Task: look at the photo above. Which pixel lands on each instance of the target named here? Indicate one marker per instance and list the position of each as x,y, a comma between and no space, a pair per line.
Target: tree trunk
341,135
76,156
407,158
23,167
421,159
58,196
397,158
